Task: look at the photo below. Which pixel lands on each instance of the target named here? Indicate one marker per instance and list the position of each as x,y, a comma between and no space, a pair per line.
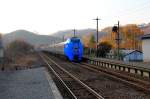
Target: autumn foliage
103,49
89,41
129,35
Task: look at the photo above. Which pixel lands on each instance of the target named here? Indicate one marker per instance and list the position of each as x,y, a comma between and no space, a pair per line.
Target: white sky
49,16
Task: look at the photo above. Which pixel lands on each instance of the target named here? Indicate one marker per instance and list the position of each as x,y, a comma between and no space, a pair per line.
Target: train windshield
75,40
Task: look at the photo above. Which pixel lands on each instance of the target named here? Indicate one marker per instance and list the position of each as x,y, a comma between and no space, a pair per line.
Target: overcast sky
49,16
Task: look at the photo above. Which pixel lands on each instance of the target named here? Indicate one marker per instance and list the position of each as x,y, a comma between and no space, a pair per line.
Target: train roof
58,44
73,39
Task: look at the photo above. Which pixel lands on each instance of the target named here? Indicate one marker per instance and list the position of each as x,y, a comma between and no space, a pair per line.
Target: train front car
73,49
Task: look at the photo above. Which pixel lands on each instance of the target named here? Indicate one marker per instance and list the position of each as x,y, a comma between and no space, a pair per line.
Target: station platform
28,84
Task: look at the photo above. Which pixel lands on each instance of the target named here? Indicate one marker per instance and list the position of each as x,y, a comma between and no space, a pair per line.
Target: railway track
133,81
73,88
109,87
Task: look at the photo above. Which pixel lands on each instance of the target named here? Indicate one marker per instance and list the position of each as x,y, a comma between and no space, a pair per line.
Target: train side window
65,45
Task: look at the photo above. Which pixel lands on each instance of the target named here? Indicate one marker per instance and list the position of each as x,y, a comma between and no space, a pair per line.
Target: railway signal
116,29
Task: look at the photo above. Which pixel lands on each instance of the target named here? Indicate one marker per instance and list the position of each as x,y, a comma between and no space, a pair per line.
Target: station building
146,47
127,55
132,56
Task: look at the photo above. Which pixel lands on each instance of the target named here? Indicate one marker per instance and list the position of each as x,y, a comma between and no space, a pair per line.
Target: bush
17,49
103,49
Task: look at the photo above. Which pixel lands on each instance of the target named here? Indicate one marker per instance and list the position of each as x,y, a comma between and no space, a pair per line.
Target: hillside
37,40
29,37
79,33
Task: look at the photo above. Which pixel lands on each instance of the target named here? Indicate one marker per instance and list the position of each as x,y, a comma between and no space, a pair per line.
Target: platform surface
27,84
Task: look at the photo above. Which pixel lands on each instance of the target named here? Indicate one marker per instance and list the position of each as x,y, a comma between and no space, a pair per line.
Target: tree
92,41
103,49
89,44
129,34
17,49
85,41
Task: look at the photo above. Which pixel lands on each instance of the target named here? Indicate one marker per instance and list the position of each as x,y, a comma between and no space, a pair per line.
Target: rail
59,78
144,72
76,79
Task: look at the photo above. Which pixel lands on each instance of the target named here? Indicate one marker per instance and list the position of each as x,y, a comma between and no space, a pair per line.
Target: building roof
124,51
146,36
127,52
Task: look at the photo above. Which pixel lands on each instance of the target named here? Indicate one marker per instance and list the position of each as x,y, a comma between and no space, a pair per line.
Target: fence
142,71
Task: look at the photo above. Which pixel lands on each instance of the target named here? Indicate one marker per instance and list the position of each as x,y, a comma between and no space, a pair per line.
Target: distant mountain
79,33
29,37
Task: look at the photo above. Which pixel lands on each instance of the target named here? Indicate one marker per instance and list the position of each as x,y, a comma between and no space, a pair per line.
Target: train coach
72,48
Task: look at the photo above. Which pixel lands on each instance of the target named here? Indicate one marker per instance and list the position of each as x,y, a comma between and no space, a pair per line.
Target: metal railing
144,72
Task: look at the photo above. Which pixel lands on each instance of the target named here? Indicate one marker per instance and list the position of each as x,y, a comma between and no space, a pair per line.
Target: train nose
76,54
76,50
76,57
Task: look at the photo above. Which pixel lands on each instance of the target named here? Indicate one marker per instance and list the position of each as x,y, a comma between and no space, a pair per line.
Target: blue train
72,48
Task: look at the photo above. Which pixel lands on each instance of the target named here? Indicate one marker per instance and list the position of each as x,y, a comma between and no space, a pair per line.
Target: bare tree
18,49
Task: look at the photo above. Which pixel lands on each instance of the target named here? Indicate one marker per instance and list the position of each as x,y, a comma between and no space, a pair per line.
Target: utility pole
63,38
74,32
97,19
